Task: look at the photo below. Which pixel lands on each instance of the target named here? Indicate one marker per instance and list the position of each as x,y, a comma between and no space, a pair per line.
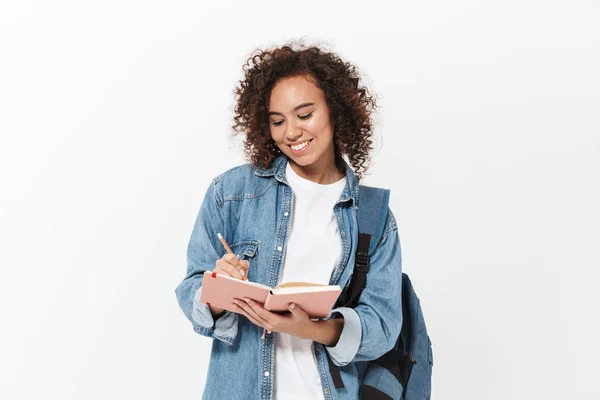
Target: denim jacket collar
277,170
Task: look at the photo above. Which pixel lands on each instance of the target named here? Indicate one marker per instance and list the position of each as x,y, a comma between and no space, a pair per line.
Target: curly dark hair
350,104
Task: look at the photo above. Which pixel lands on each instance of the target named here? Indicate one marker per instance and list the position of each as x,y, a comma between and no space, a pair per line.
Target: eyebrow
295,108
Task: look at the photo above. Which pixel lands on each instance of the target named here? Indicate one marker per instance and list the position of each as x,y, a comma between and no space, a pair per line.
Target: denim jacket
252,208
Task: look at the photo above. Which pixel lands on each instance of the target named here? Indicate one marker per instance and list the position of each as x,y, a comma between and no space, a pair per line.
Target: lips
305,144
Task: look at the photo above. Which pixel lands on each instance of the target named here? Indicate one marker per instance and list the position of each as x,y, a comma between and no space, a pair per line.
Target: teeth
300,146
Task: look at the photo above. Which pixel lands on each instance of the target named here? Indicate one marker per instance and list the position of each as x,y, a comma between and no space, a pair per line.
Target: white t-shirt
313,250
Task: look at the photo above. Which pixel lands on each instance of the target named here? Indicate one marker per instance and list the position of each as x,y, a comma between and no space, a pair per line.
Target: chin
301,161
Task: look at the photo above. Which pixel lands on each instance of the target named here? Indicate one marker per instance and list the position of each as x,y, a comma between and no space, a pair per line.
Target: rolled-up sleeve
203,252
372,327
224,328
347,345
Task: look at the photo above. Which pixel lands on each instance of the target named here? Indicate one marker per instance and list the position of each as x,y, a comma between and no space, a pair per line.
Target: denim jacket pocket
244,248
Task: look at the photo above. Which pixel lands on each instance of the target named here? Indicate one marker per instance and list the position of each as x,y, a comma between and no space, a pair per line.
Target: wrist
216,312
327,331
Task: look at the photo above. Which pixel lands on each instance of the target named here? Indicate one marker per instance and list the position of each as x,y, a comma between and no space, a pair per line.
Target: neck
322,175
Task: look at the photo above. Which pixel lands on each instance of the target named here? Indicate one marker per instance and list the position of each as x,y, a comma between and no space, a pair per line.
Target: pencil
229,251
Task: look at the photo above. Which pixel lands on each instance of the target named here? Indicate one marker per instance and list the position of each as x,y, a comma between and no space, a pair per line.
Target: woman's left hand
296,323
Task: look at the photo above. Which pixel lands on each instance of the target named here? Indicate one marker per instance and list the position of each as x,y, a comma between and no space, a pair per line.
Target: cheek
275,134
321,127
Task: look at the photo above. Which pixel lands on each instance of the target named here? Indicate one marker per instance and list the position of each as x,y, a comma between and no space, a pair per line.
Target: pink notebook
317,300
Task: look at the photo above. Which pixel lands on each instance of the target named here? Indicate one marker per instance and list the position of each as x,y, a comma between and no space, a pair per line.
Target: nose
293,132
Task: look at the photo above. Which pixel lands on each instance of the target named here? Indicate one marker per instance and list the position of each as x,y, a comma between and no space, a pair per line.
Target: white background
115,116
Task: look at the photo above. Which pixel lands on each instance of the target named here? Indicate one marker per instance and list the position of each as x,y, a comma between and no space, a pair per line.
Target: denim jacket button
266,373
343,233
286,213
197,329
326,390
279,248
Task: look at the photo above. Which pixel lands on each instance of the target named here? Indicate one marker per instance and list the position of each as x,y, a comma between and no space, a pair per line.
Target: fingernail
292,306
247,300
235,302
242,272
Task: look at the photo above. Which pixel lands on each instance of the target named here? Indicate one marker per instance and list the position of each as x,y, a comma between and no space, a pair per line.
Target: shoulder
390,223
235,174
239,183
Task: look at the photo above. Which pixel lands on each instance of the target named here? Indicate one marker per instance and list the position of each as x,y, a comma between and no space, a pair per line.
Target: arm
363,333
296,323
203,252
327,331
372,327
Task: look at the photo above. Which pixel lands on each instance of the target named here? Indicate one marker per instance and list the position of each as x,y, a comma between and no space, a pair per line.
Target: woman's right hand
229,265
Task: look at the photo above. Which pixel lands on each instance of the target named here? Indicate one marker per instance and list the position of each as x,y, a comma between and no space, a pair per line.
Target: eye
276,123
307,116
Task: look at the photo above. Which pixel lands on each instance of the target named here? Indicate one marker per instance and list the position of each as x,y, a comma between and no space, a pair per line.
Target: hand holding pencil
229,257
230,265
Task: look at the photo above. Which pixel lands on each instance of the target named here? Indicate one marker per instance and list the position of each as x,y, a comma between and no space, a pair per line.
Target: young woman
291,215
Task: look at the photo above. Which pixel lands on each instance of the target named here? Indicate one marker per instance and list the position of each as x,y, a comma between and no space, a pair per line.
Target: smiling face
301,127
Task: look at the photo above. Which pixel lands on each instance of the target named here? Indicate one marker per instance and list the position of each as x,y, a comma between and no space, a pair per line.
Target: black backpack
403,373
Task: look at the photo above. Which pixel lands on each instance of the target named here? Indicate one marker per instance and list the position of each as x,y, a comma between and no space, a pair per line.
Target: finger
245,264
231,259
221,271
250,311
297,312
261,314
240,265
230,269
255,310
243,268
240,310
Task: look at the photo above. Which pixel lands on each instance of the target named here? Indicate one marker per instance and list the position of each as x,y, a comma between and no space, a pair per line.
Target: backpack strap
372,215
